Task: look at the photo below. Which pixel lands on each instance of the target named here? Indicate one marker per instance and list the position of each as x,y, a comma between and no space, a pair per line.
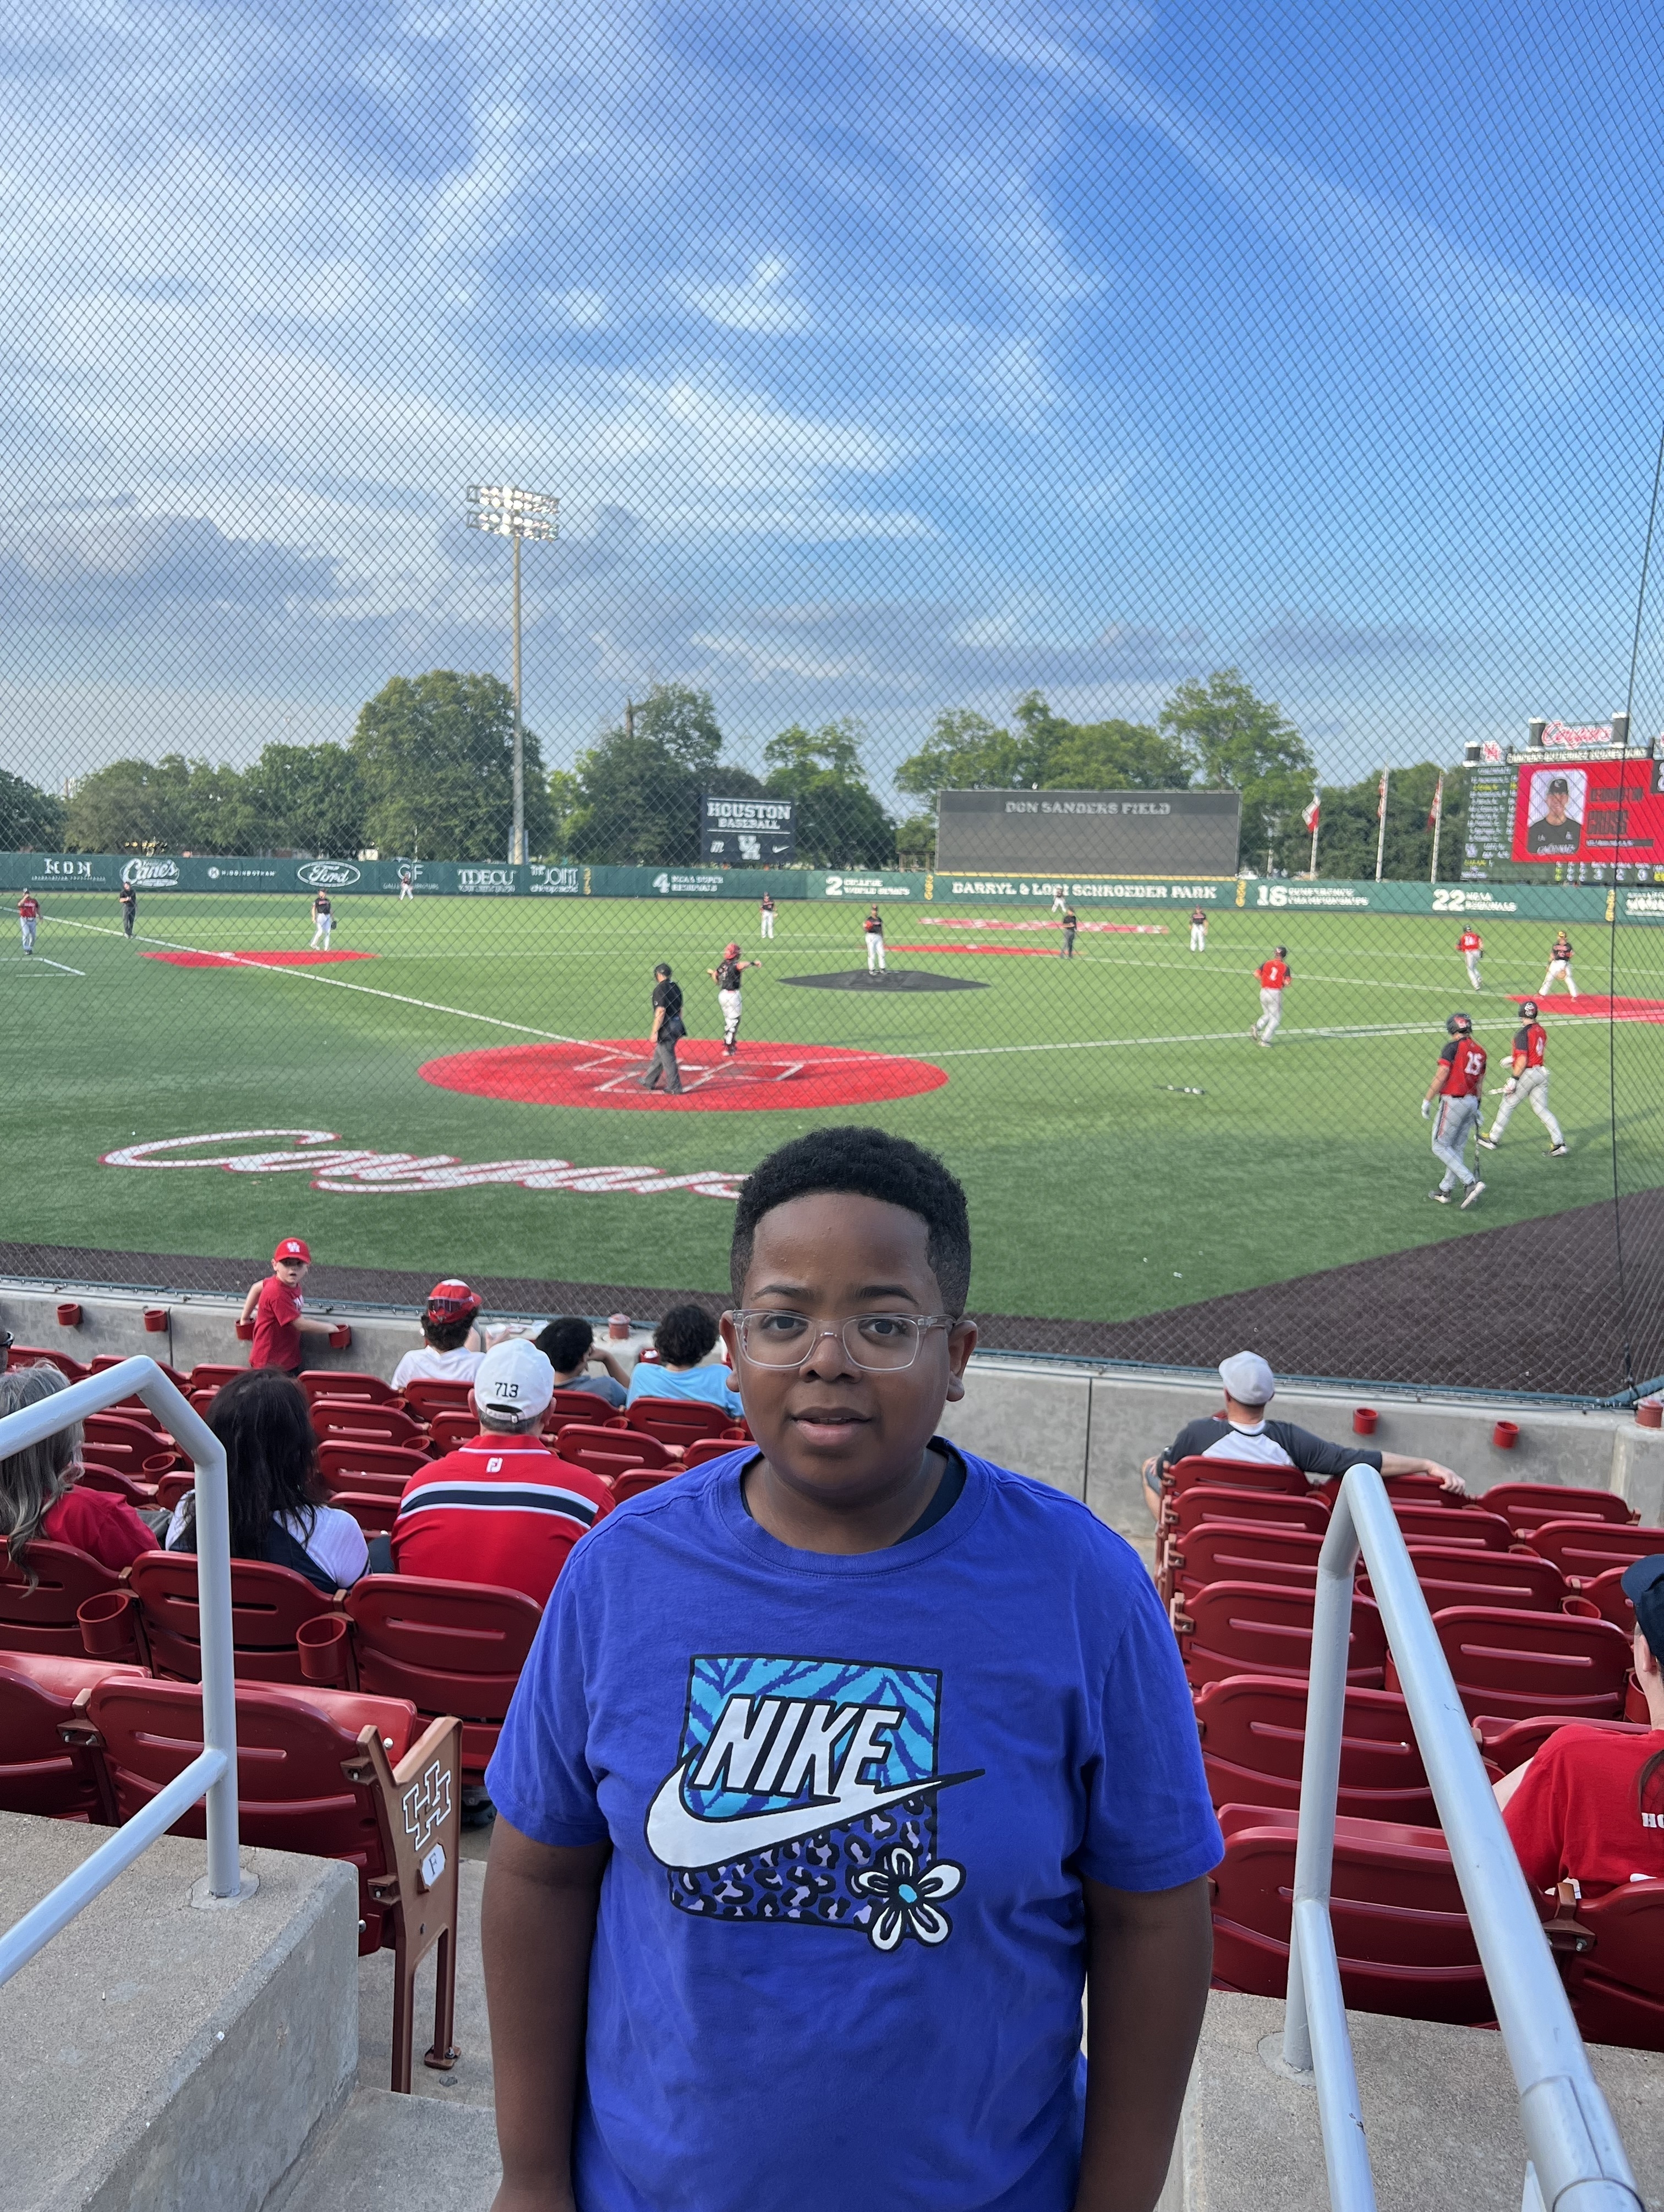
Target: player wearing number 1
1452,1103
1273,981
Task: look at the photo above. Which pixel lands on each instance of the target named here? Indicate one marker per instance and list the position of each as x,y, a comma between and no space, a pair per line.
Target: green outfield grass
1100,1188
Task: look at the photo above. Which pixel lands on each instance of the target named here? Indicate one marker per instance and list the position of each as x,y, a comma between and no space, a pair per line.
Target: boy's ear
961,1343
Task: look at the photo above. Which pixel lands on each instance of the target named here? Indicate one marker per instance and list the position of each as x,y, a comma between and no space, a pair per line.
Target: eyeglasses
880,1343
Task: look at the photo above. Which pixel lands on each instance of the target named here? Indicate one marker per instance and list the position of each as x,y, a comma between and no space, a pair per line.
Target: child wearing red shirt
275,1306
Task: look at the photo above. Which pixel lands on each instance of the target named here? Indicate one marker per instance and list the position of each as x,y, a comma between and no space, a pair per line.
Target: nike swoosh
681,1841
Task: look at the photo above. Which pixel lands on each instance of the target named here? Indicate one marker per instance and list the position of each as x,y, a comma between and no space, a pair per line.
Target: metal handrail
213,1771
1576,2157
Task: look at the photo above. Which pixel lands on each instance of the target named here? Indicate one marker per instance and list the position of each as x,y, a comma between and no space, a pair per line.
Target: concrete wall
165,2058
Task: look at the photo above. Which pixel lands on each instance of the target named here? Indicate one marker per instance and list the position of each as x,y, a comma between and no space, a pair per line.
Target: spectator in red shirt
1590,1805
502,1509
40,1495
275,1306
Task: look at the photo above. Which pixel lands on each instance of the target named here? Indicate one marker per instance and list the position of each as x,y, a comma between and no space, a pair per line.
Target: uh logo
806,1790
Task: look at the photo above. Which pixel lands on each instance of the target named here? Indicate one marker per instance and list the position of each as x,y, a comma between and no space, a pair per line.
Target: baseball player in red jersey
28,914
1273,979
1470,945
1528,1079
1456,1090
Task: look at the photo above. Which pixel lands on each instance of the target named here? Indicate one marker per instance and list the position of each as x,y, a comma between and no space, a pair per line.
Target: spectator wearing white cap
502,1510
451,1350
1242,1432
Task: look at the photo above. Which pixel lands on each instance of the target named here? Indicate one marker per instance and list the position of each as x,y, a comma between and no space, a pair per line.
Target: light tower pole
507,512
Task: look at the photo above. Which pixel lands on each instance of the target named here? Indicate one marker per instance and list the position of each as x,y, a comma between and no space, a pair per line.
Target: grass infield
1126,1148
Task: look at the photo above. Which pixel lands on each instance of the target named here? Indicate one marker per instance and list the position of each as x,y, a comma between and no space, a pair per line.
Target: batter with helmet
1455,1091
726,976
1527,1080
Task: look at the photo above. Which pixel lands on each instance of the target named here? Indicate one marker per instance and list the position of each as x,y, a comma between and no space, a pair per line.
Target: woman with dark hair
683,1341
276,1495
1590,1805
40,1494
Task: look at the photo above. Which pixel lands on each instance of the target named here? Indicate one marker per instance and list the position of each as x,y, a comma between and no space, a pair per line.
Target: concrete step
388,2154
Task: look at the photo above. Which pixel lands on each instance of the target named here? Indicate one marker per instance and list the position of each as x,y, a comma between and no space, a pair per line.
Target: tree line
428,772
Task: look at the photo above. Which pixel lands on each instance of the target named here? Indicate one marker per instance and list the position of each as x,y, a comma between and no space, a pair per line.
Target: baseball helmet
730,951
1281,951
451,1300
1460,1026
1528,1009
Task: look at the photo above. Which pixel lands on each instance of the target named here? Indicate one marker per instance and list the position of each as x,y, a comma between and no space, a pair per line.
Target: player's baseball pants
730,1003
321,935
1532,1087
1563,969
1199,936
26,923
1270,1015
1472,959
875,956
126,921
1069,944
664,1064
406,890
1454,1120
765,922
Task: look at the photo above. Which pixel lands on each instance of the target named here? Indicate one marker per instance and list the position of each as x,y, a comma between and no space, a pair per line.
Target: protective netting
1142,427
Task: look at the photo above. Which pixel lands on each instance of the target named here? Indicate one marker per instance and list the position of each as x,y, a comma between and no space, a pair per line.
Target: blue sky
884,357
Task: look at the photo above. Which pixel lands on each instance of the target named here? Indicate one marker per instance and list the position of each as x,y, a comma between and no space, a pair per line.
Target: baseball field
460,1094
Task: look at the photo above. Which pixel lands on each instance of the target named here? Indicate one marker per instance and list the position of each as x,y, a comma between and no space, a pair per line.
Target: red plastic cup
246,1332
1363,1420
618,1327
1651,1413
69,1315
340,1336
1505,1435
155,1320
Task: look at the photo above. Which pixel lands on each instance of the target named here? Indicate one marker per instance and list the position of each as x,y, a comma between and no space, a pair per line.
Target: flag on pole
1380,798
1309,817
1437,813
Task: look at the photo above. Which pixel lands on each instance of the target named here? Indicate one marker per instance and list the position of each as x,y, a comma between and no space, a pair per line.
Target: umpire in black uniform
667,1031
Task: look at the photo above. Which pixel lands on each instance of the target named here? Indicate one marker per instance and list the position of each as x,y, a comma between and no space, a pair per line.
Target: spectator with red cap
502,1509
275,1306
1589,1807
40,1494
451,1350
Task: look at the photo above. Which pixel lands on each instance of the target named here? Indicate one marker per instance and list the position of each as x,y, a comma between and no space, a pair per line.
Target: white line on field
1203,1036
36,960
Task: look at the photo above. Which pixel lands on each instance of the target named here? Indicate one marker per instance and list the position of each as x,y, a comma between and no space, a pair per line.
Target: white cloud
759,304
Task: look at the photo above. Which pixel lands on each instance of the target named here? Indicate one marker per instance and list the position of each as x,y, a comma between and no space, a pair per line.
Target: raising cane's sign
350,1171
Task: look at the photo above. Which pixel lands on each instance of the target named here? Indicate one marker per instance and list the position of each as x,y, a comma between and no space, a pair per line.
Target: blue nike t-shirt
841,1942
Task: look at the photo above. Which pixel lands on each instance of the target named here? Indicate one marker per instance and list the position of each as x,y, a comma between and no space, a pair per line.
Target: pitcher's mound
898,979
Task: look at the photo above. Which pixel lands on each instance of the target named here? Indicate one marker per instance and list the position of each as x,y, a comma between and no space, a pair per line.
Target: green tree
1347,832
436,755
31,820
965,751
1111,756
132,806
1240,742
638,789
840,825
308,799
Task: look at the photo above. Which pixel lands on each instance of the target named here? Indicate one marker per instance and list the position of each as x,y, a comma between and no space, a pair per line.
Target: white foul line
38,960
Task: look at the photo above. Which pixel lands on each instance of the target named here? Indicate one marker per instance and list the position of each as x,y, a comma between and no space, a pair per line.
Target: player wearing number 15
1273,981
1452,1103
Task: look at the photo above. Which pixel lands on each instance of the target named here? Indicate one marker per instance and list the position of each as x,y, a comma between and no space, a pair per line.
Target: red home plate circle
761,1079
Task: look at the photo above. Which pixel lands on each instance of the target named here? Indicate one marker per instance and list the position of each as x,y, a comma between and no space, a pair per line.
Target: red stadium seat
632,1482
447,1430
677,1420
138,1489
431,1394
348,1465
448,1647
1516,1665
138,1429
171,1488
1251,1628
1583,1549
1252,1728
1269,1509
36,1355
608,1451
1241,1551
107,1359
209,1374
1401,1929
375,1510
359,1421
1468,1574
339,1776
338,1383
1506,1744
1444,1524
42,1619
46,1766
1606,1593
1610,1951
573,1406
1526,1505
712,1447
268,1605
1234,1474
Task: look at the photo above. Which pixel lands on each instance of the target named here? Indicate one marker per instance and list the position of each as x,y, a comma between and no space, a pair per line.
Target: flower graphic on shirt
908,1908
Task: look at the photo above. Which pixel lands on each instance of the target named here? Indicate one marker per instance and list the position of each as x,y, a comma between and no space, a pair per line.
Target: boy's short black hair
684,1336
872,1163
565,1343
447,1336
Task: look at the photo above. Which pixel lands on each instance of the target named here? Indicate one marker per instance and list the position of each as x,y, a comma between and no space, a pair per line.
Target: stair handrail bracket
213,1773
1576,2153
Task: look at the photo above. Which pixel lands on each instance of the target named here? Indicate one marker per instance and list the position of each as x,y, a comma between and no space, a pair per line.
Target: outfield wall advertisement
1581,903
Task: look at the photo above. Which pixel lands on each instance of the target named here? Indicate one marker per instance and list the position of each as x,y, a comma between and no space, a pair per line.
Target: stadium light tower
507,512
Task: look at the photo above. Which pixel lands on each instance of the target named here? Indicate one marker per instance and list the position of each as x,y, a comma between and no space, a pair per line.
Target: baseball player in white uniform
726,976
874,925
1199,929
1527,1080
1560,966
323,915
765,914
406,887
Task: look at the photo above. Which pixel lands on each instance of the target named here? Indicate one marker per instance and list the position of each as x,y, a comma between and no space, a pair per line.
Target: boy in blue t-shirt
841,1766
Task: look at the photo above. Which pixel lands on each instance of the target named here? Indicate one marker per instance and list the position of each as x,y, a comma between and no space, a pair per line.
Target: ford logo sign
328,875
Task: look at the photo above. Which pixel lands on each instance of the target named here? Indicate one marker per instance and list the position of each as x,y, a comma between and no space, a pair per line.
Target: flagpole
1381,833
1317,817
1438,828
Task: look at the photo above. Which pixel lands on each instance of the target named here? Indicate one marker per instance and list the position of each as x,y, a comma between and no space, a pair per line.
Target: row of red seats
1239,1564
